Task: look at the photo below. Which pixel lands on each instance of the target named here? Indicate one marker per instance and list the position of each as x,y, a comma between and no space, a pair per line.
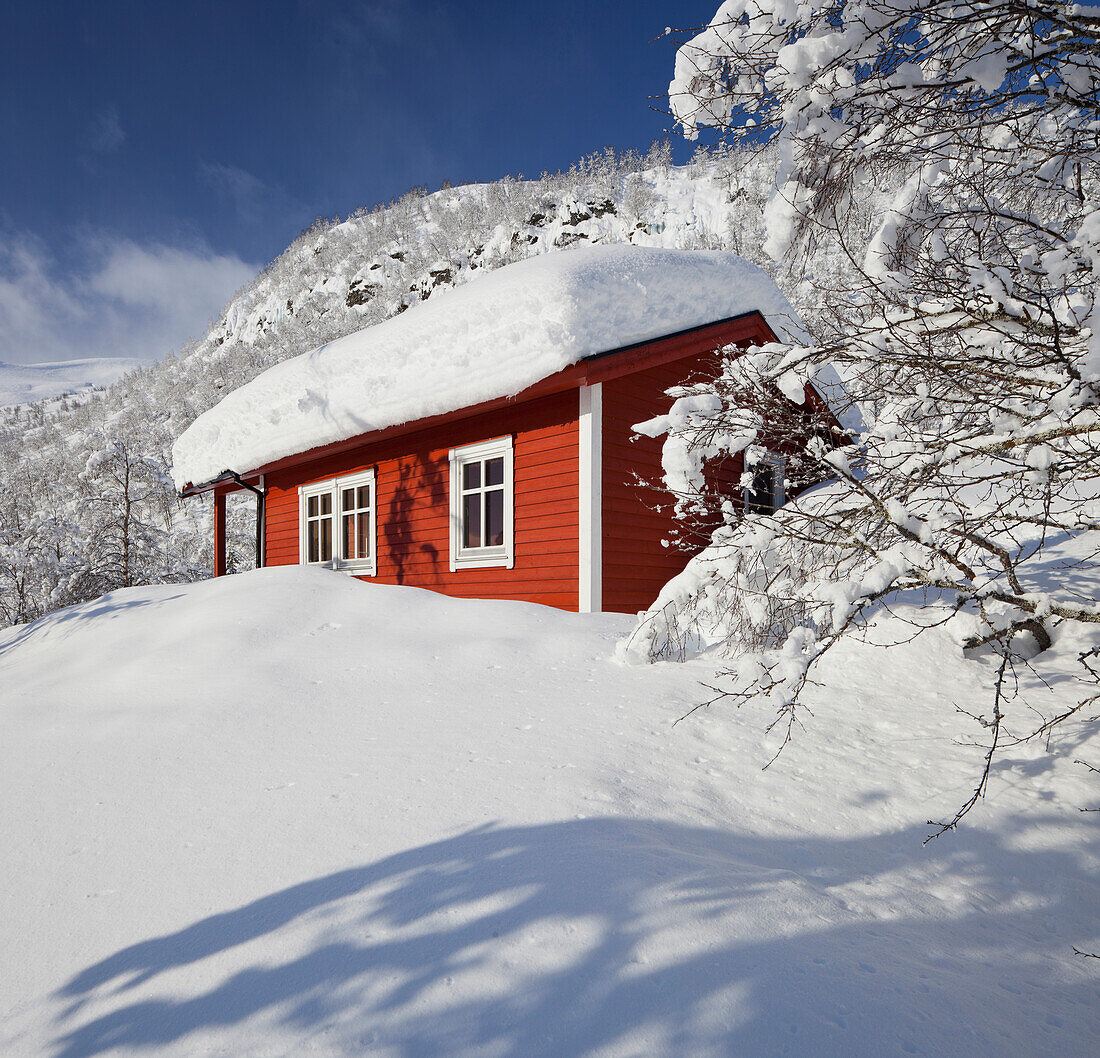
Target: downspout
260,494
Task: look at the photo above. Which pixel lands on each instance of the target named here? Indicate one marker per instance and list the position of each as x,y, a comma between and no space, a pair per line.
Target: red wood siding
412,495
637,518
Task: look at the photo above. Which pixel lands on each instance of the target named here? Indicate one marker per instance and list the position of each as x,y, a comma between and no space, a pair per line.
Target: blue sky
157,155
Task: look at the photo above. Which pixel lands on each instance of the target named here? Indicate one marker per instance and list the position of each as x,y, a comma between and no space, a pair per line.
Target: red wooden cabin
531,496
564,522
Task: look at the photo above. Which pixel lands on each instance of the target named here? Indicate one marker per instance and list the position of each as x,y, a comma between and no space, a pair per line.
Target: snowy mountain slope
296,814
23,383
340,277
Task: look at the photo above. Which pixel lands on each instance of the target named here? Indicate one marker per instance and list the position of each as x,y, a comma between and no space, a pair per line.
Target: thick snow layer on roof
490,338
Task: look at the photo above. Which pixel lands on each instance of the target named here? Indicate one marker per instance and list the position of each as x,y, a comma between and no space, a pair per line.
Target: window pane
471,475
362,535
494,471
311,506
326,503
347,499
769,486
349,536
760,499
471,520
325,525
312,542
494,518
363,493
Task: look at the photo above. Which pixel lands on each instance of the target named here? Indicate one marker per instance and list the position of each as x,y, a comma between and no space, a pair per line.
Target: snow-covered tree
128,500
968,339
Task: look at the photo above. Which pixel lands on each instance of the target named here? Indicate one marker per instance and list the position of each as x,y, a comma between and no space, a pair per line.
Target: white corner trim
261,558
590,528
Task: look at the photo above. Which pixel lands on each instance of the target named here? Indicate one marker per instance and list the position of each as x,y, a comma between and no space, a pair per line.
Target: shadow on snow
70,618
566,922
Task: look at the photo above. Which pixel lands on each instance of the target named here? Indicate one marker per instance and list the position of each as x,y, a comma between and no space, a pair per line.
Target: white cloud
363,30
171,281
128,299
245,190
33,308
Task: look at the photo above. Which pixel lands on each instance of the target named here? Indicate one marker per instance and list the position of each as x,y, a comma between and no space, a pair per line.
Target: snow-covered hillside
23,383
291,813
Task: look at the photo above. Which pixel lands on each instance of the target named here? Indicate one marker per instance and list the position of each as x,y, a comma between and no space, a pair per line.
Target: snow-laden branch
969,342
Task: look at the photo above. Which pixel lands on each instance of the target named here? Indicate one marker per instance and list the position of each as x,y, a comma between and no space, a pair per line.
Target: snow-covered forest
88,505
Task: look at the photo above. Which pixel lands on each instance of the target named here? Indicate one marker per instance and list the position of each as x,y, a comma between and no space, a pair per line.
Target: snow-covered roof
491,337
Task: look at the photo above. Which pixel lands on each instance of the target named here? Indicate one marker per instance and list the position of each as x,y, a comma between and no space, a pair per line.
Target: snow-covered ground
22,383
289,813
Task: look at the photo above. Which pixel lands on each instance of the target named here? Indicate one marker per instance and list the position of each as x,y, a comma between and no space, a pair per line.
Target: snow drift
292,813
489,338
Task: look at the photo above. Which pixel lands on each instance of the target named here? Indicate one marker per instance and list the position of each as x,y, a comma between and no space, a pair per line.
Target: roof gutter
209,486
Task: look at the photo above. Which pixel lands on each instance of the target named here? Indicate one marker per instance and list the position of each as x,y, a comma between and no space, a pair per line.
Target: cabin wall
637,518
412,496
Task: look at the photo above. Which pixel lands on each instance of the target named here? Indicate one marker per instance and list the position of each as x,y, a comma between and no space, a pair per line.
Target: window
356,509
765,491
318,526
481,504
338,522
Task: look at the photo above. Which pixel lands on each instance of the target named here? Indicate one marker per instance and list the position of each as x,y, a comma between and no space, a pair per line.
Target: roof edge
687,332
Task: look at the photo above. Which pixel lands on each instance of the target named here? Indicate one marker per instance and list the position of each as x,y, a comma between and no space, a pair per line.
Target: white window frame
502,556
305,493
356,567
